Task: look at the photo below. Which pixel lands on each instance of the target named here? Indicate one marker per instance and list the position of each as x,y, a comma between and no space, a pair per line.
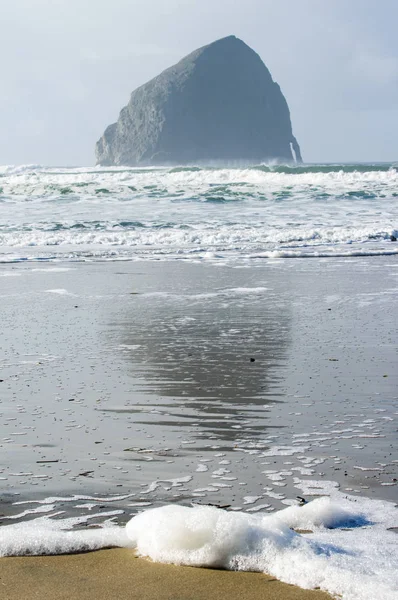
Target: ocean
193,213
176,340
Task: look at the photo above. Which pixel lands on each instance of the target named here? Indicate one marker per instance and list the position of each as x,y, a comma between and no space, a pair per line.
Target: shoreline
155,384
119,574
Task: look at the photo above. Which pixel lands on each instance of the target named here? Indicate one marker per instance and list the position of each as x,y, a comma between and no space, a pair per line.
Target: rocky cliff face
219,104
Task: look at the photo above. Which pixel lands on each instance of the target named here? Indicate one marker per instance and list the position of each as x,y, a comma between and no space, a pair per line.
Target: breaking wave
276,210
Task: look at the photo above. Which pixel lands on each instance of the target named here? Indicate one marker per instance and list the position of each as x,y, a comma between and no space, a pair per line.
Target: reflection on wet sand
215,355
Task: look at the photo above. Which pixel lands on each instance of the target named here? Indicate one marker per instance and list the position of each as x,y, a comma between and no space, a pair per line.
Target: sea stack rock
218,105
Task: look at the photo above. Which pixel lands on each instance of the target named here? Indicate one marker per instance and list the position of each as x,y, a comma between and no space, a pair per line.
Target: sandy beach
128,386
118,575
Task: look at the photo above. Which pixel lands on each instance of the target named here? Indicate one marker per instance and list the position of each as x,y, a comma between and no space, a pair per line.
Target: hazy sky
69,66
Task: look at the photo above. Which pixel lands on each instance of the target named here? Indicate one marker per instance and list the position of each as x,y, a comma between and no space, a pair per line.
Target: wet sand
246,383
117,575
133,385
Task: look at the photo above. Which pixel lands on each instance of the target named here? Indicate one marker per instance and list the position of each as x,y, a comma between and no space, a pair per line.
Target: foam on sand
350,551
357,564
45,535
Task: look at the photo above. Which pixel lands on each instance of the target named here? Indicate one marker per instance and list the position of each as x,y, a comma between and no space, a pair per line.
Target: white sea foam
208,235
358,564
46,535
61,292
284,450
256,291
350,552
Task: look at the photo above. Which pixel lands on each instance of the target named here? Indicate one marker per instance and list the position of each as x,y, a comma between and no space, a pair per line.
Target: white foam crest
259,240
36,174
332,253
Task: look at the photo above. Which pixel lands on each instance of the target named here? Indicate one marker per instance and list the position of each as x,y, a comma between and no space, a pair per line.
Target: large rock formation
218,104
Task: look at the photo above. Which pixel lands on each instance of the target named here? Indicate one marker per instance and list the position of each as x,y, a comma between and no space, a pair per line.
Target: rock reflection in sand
212,358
